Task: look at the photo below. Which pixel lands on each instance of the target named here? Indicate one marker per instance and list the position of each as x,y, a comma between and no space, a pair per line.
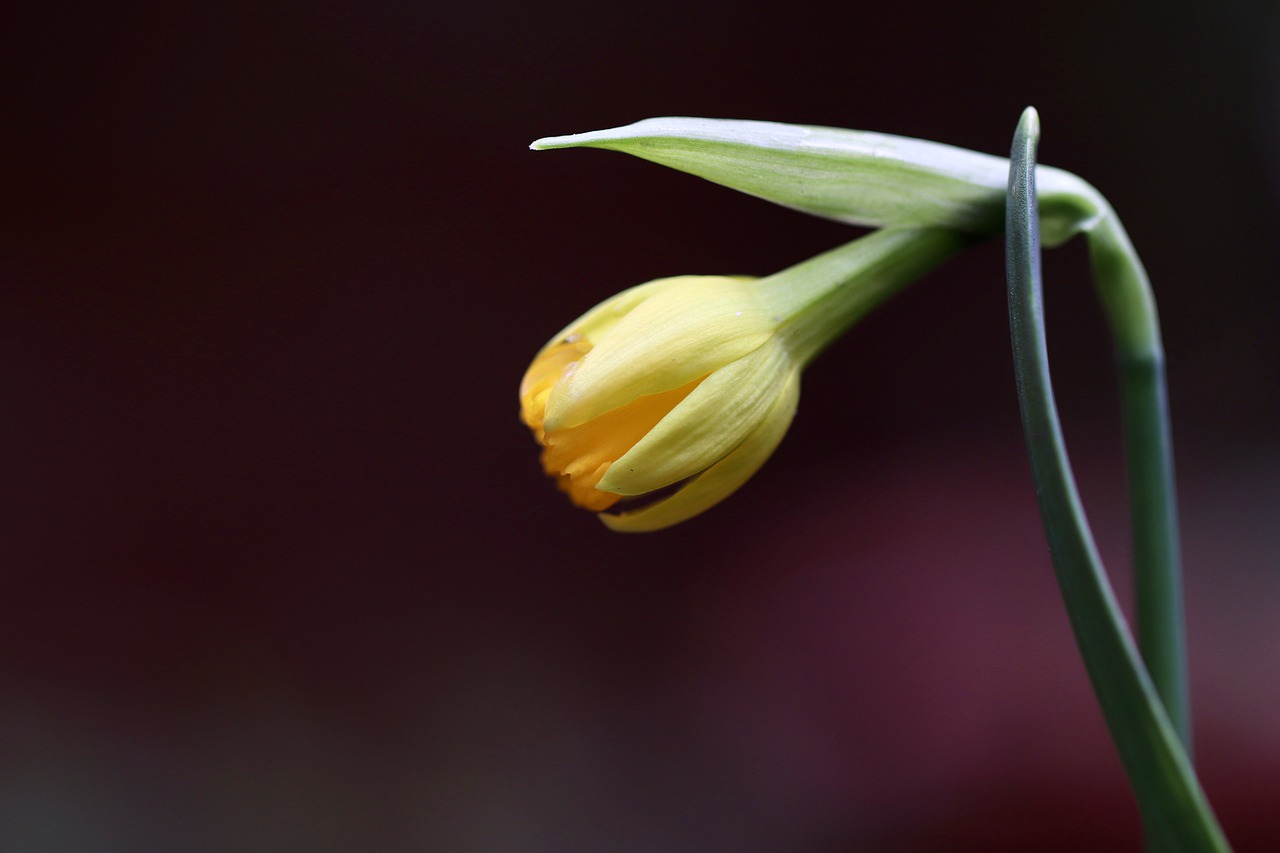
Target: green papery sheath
862,178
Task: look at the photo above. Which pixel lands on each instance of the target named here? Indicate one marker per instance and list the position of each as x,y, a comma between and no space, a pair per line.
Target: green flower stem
1126,295
1175,813
818,299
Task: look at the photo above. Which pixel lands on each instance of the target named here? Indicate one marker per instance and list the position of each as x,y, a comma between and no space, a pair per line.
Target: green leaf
1175,813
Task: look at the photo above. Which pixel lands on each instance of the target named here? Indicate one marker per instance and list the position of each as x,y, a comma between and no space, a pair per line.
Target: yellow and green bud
663,400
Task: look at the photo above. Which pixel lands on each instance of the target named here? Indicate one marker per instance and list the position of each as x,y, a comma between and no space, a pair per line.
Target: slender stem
818,299
1126,296
1175,813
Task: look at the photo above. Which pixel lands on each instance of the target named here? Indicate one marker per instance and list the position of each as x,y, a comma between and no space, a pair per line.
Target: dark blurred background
281,571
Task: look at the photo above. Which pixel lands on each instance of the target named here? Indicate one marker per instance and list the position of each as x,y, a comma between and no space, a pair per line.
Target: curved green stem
1126,296
1175,813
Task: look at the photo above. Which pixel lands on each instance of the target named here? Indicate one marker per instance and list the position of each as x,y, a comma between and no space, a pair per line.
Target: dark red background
280,571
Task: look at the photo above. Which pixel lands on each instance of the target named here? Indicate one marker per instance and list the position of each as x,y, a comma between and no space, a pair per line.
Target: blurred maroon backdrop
280,568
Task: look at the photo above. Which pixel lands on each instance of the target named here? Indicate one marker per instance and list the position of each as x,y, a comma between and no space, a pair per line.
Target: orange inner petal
579,456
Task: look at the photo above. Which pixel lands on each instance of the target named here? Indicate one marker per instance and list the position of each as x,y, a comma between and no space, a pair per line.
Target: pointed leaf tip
548,143
1029,124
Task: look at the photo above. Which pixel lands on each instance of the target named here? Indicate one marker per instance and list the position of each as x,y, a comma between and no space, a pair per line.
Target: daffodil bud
670,395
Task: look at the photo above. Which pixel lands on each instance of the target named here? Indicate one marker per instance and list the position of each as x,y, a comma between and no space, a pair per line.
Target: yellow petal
722,479
706,427
543,374
581,455
595,323
685,330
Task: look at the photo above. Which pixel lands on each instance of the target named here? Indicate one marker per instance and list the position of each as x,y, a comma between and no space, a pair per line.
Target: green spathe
853,176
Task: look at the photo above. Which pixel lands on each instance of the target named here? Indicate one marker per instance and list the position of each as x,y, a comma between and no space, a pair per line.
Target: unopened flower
682,382
663,400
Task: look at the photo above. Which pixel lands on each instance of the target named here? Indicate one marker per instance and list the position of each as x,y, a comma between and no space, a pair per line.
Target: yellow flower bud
663,400
681,383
